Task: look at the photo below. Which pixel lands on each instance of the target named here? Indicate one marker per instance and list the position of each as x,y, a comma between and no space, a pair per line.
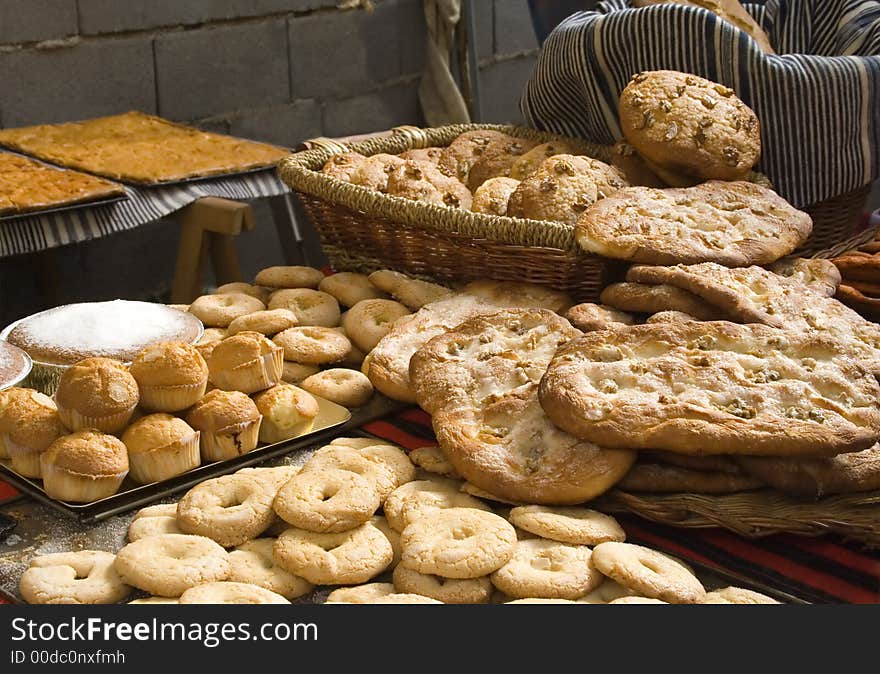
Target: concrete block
76,82
285,125
413,33
513,27
343,52
376,111
113,16
34,20
485,28
204,72
501,86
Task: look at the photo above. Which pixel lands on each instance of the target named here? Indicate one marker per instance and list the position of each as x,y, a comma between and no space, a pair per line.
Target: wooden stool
208,227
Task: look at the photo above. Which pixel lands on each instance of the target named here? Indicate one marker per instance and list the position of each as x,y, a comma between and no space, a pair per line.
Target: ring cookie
345,387
269,322
690,125
227,592
419,498
432,460
411,292
732,223
327,500
577,526
737,595
84,577
289,277
542,568
734,387
252,562
446,590
170,564
313,345
360,594
218,311
458,543
229,510
648,572
480,382
350,288
311,307
346,558
369,321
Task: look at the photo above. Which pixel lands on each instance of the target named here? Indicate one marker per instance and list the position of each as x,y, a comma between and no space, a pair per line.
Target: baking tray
332,420
193,179
96,203
40,532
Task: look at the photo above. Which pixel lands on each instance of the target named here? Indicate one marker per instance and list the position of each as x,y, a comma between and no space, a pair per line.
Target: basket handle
323,143
417,137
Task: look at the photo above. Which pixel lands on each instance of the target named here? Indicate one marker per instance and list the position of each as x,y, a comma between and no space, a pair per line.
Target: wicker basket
363,230
757,513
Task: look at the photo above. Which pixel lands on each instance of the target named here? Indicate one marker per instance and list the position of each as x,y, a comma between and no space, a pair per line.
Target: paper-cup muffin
161,446
7,397
229,423
246,362
32,425
288,412
171,376
96,394
84,466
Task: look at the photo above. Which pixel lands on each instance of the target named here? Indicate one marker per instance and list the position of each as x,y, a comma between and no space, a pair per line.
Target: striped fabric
817,570
818,100
30,234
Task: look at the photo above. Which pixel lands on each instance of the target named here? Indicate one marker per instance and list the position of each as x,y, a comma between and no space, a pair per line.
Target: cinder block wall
275,70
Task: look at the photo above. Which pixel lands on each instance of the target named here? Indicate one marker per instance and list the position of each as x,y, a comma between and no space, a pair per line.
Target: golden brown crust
657,478
97,387
218,311
269,322
518,294
343,166
154,431
531,161
479,382
169,364
841,474
493,196
643,298
429,154
31,420
690,125
588,316
239,349
733,223
27,185
373,172
755,295
463,152
140,147
713,388
423,181
286,398
817,274
560,190
412,292
88,453
497,161
220,410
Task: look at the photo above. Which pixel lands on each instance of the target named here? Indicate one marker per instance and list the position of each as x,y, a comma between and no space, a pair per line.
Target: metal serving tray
332,420
96,203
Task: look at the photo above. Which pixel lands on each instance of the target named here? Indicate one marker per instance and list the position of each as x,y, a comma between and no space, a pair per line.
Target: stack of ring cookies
272,534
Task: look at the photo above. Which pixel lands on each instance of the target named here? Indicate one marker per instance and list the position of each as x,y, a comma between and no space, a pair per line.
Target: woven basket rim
301,172
757,513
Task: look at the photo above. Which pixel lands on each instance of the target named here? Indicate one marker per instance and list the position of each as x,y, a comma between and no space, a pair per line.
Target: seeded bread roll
689,125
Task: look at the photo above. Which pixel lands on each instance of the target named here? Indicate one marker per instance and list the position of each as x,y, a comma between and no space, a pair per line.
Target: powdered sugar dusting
117,329
13,364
